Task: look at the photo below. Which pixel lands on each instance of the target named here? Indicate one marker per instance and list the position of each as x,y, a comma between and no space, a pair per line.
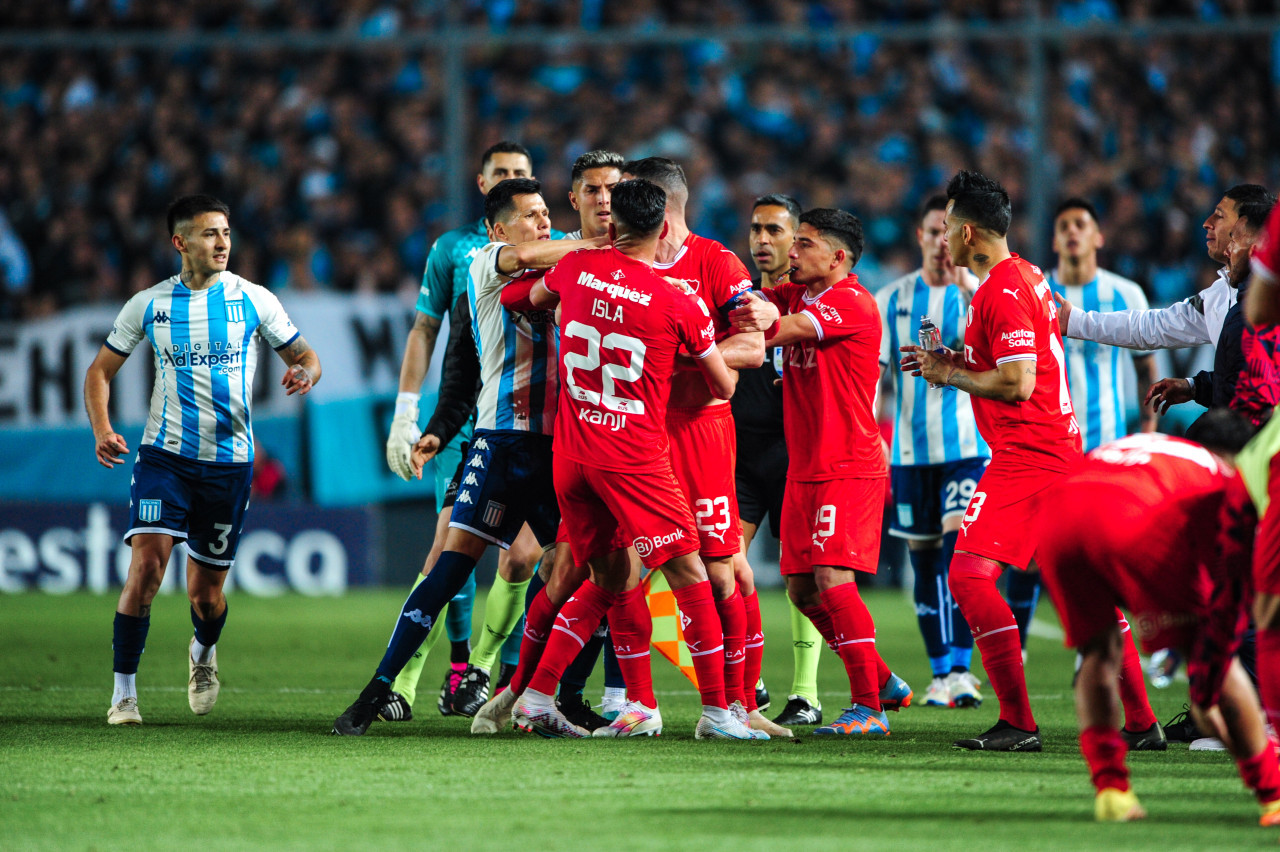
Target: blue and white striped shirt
519,354
1098,373
930,426
206,351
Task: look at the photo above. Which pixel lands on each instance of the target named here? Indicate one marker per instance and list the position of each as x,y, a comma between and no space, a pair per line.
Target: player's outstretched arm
109,446
744,350
1012,381
720,378
304,367
541,254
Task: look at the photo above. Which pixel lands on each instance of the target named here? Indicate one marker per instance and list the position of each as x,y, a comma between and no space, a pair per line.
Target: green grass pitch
261,771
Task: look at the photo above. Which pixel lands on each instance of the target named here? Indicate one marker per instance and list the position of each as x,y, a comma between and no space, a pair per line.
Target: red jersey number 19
610,374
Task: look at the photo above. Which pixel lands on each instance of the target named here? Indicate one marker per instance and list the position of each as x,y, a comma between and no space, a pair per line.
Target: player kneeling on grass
192,474
1123,533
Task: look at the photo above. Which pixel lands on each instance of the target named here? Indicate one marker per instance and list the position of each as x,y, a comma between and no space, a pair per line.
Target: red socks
1104,751
754,650
537,627
1138,715
855,642
1269,674
1261,774
973,585
631,627
733,624
702,634
574,624
822,620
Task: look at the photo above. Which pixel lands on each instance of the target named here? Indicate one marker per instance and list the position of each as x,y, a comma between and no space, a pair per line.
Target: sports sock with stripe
806,650
733,625
538,621
502,610
706,642
206,634
422,608
574,679
631,628
1104,750
855,642
573,626
754,649
933,606
1138,715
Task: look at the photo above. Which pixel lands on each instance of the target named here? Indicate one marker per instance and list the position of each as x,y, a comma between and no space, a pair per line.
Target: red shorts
1101,549
605,510
1002,519
836,522
703,456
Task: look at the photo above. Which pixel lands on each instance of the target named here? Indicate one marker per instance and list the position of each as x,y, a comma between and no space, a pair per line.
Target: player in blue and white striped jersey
937,455
507,481
192,474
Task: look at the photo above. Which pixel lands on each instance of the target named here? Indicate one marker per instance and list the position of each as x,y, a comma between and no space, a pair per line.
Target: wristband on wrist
406,401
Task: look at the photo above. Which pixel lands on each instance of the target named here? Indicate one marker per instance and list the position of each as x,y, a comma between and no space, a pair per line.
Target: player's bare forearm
744,350
1145,365
1012,381
541,254
792,328
722,380
304,367
418,348
109,447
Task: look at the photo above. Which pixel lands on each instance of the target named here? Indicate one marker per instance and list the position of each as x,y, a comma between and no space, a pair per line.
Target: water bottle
930,339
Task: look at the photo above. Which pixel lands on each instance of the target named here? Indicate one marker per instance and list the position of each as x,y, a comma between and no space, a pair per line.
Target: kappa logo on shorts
464,497
493,513
470,479
480,444
149,511
476,461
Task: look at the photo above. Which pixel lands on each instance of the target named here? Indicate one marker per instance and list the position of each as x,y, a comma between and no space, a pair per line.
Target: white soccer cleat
964,689
494,713
545,721
709,729
634,720
202,682
610,707
124,712
938,694
757,721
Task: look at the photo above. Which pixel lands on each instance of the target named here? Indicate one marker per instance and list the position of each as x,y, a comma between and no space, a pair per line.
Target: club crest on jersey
493,513
235,311
149,511
617,275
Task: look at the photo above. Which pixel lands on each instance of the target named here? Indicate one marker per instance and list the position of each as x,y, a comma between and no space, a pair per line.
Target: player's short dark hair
597,159
1076,203
934,202
665,172
980,200
777,199
501,200
188,207
639,206
504,147
1254,211
838,226
1221,429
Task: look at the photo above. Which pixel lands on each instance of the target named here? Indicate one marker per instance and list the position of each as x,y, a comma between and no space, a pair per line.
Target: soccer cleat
856,720
1181,728
739,712
610,706
357,718
634,720
1270,814
1003,737
799,712
495,714
545,721
1112,805
1150,739
964,689
895,694
578,711
709,729
444,703
202,682
762,696
757,721
938,694
396,709
124,712
472,692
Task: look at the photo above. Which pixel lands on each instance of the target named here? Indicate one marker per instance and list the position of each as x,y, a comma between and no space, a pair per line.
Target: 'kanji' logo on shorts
149,510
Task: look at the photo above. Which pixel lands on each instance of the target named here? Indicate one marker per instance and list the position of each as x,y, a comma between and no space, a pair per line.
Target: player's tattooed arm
1012,381
418,349
304,367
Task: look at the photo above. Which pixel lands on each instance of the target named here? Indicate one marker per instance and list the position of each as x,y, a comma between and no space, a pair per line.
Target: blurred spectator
269,480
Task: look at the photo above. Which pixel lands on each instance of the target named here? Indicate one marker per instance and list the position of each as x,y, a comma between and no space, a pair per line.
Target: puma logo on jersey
1013,293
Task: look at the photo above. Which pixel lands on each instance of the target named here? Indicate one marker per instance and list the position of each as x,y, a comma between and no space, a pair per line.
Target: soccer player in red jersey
703,439
829,327
1125,532
1014,368
622,326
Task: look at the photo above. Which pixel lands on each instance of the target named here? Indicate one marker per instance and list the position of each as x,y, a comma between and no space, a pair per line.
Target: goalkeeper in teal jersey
444,280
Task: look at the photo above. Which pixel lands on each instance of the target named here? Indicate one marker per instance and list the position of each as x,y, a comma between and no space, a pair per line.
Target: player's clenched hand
404,434
110,449
935,367
424,451
754,314
296,380
1064,312
1167,392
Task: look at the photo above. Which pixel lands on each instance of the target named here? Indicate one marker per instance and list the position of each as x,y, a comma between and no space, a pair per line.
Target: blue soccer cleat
895,694
857,720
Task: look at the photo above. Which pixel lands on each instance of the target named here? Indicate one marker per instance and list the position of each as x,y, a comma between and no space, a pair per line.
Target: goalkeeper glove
404,434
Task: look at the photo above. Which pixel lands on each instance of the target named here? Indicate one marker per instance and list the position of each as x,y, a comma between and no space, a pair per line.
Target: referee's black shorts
761,477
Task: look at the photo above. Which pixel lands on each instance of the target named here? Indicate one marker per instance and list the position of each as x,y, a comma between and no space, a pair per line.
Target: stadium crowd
334,159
